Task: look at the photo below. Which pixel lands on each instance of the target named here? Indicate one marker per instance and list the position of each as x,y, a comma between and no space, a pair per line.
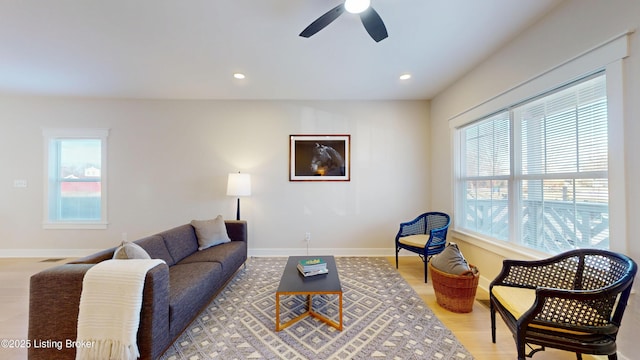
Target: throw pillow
450,261
210,232
129,250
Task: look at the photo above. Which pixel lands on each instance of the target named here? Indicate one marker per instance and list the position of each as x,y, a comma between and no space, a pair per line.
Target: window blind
563,169
486,175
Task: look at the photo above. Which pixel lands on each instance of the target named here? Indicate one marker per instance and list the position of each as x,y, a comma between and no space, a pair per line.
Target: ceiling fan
370,19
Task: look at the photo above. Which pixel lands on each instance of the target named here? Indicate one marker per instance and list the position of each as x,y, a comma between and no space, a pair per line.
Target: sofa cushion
180,241
191,288
156,248
210,232
129,250
230,256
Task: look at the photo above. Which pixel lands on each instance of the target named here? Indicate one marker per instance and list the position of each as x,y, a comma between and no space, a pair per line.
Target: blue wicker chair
425,235
573,301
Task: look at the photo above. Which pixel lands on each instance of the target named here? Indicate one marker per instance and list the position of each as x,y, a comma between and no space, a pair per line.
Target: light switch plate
20,183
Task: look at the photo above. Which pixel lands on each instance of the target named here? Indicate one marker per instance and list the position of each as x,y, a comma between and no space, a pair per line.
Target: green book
312,262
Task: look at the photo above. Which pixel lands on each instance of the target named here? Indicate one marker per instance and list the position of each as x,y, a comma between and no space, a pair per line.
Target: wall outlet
307,236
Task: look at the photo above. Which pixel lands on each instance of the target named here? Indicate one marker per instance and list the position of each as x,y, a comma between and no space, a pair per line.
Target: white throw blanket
110,309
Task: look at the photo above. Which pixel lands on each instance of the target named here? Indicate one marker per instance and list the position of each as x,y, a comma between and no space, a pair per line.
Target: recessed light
405,76
239,76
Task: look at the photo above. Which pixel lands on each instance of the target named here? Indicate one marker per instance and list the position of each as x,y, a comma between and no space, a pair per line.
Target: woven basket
454,292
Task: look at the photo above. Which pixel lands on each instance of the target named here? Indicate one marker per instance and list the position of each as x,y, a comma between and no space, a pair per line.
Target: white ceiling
189,49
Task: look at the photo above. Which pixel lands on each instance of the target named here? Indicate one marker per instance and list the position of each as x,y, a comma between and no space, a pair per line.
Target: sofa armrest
153,333
54,296
102,255
54,300
237,230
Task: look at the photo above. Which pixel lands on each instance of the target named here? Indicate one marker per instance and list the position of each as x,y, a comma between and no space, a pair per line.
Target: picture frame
319,157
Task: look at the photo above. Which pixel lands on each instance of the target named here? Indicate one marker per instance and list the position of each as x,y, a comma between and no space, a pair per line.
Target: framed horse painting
319,157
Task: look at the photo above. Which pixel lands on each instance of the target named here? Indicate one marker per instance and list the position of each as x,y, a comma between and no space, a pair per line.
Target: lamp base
238,210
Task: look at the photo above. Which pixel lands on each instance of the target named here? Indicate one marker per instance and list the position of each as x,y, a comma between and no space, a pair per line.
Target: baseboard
483,283
64,253
263,252
46,253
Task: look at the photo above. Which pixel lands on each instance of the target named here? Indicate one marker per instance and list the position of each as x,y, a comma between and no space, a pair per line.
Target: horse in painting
327,161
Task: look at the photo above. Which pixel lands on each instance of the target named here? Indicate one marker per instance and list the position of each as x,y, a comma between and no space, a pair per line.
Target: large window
76,178
536,173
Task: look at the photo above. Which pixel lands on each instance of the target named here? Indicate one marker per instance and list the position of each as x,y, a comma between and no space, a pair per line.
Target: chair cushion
518,300
418,241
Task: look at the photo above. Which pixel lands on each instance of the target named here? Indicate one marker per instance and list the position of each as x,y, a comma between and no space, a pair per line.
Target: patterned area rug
383,318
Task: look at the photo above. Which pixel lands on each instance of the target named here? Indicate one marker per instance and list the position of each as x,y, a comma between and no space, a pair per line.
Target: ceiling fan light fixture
371,21
356,6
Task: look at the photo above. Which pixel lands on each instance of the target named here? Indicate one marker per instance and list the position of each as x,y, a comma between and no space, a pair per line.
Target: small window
75,178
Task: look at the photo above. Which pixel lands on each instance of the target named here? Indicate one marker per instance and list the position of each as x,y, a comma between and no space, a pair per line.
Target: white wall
572,28
168,164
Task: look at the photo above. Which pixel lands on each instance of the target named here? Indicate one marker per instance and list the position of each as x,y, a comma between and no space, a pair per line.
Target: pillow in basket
450,261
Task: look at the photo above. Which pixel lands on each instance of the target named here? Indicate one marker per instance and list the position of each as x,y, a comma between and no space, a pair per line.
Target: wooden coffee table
294,283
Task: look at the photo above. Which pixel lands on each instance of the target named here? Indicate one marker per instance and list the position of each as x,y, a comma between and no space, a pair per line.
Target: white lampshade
239,185
356,6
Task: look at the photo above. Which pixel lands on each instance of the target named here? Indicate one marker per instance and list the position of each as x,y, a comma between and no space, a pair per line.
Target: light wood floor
472,329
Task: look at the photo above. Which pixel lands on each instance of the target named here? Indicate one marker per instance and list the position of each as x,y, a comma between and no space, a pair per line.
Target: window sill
503,248
74,226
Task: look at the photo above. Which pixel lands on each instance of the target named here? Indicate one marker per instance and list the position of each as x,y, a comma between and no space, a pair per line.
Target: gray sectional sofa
174,293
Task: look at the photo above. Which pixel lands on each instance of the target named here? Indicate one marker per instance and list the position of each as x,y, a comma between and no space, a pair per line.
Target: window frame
488,164
607,57
55,134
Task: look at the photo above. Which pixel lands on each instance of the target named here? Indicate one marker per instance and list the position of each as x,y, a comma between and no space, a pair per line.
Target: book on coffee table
312,272
312,264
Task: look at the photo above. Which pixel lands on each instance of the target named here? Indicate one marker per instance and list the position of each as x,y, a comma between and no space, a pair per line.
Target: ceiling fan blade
323,21
374,24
